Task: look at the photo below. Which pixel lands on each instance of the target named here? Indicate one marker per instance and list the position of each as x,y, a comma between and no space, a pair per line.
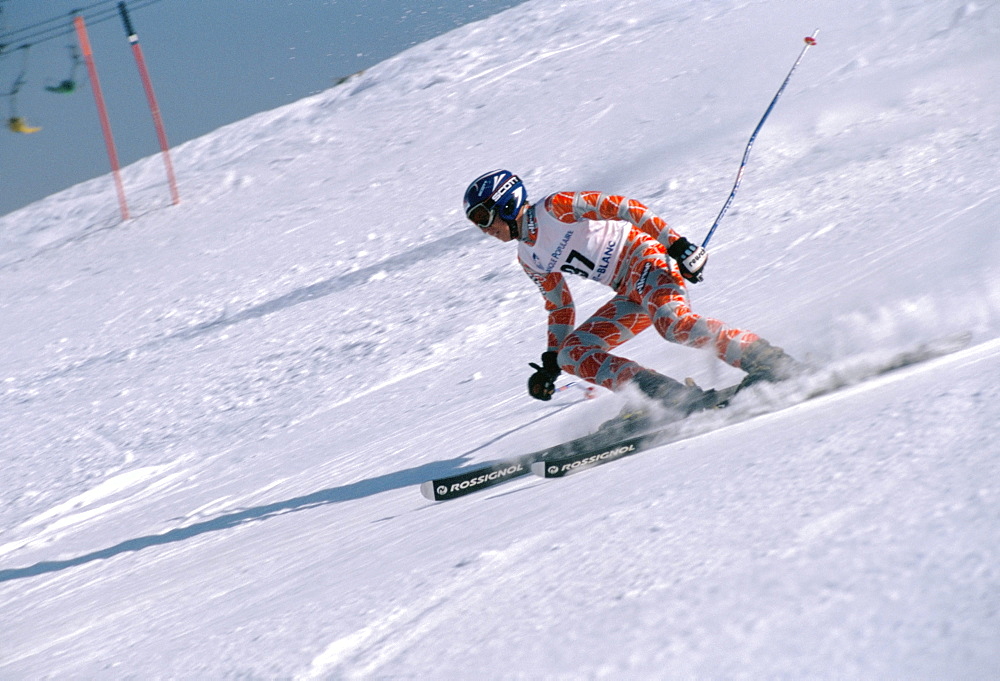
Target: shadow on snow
334,495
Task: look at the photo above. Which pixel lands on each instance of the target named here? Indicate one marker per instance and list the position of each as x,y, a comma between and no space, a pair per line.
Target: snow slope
216,416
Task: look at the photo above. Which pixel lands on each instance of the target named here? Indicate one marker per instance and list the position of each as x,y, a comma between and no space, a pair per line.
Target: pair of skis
607,444
625,436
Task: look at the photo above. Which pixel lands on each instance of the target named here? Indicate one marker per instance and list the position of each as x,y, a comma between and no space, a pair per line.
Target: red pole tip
810,40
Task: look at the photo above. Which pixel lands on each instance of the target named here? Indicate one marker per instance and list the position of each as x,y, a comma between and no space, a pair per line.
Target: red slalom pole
154,108
102,111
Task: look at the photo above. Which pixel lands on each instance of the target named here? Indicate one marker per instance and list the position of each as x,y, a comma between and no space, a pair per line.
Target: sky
211,63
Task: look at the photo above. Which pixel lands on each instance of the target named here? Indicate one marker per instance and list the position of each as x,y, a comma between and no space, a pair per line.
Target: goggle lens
481,215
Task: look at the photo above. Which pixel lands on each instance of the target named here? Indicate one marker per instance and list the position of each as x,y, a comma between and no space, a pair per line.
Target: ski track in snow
360,655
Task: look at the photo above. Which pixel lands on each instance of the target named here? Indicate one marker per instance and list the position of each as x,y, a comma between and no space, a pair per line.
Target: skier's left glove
690,258
542,383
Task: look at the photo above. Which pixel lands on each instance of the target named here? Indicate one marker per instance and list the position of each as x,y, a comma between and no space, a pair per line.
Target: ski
498,472
478,478
559,466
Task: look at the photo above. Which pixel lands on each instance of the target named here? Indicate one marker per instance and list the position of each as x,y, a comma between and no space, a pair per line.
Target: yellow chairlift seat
18,124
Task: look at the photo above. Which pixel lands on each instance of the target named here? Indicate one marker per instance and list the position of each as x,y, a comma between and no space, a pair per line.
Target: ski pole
810,41
589,391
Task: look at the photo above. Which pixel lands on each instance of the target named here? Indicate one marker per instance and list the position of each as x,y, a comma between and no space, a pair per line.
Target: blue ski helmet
499,192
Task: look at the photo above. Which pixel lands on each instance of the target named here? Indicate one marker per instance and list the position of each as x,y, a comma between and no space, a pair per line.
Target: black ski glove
542,383
690,259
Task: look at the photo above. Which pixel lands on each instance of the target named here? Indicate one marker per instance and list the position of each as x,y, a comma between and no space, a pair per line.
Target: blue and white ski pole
810,41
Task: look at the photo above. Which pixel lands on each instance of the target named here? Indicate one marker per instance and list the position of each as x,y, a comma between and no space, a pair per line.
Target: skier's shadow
333,495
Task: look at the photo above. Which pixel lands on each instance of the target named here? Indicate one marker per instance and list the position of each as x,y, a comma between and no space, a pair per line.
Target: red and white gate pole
151,98
102,112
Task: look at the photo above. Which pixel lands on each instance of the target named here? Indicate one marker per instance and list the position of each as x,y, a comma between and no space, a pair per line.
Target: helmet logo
511,182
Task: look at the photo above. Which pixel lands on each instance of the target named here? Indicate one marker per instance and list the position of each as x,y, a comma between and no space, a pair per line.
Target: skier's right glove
542,383
690,258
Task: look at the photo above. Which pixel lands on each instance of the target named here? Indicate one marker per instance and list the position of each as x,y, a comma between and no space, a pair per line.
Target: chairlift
16,122
68,84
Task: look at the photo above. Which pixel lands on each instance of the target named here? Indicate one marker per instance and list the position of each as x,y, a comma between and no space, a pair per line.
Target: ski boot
682,398
765,362
678,400
631,420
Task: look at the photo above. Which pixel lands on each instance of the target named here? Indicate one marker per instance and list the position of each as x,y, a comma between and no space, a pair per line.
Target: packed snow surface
216,417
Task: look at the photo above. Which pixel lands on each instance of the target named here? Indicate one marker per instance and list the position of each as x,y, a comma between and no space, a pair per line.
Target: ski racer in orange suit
621,243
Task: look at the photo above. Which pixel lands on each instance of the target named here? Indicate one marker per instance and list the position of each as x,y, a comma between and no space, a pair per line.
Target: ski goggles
483,213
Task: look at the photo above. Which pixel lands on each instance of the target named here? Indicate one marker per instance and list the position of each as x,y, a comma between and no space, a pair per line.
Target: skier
619,242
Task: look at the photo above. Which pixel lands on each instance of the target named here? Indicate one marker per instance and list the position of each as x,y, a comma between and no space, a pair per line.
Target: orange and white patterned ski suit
613,240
